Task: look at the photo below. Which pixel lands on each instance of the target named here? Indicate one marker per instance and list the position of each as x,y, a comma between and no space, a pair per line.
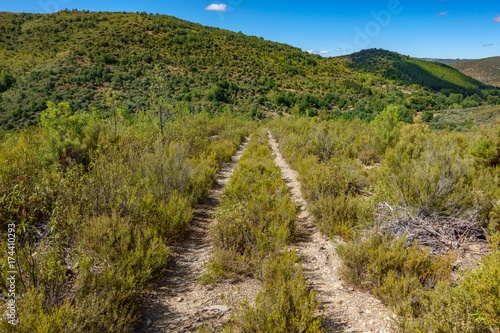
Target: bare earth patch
344,309
177,302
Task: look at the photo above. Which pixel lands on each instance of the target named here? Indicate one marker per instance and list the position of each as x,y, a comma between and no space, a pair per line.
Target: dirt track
178,303
344,309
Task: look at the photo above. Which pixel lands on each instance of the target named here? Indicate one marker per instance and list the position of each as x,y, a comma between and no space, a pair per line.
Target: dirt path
177,303
344,309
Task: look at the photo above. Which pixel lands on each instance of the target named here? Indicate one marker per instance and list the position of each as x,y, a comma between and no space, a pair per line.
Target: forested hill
407,70
80,57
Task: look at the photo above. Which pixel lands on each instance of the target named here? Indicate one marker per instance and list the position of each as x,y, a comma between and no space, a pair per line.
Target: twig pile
439,234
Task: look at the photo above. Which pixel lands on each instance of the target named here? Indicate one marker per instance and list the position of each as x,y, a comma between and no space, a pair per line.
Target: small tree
386,128
158,99
427,116
493,100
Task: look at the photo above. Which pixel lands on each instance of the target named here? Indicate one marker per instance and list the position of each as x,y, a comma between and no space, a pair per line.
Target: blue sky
419,28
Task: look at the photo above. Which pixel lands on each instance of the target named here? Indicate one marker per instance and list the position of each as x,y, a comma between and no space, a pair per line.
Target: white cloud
318,52
489,44
497,19
222,7
339,50
442,13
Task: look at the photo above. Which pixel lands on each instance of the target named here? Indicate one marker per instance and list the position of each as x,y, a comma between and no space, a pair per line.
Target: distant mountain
485,70
445,61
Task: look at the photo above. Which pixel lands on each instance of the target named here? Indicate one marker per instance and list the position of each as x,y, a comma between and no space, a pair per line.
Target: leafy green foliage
386,128
427,116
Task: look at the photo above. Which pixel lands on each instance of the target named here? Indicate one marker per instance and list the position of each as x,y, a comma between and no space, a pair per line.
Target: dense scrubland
438,178
254,223
96,203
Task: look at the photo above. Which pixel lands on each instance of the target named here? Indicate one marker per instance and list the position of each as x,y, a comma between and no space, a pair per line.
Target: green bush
386,128
486,147
430,175
330,188
390,269
471,306
134,252
427,116
96,202
284,304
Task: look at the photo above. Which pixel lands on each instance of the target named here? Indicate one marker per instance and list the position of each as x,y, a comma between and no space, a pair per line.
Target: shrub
284,304
486,147
331,189
390,269
431,177
427,116
331,177
471,306
96,202
386,128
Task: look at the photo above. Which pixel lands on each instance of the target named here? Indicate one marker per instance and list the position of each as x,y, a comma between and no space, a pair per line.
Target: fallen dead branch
440,234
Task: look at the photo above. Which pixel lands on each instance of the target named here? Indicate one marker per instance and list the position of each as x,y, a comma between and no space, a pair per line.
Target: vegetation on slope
485,70
465,119
406,70
76,57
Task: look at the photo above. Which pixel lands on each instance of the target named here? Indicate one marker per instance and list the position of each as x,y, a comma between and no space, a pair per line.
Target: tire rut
343,309
177,302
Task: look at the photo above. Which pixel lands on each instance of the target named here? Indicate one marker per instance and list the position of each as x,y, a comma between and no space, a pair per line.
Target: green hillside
407,70
485,70
80,57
